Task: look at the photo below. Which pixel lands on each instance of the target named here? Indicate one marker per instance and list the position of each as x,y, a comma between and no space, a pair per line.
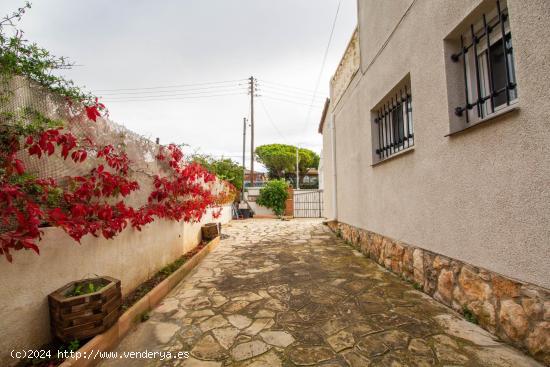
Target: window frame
393,123
477,103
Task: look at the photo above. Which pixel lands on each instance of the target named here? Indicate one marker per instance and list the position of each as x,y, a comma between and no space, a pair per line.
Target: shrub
273,195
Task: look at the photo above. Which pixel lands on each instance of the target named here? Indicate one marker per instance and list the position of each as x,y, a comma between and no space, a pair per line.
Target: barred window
487,58
393,121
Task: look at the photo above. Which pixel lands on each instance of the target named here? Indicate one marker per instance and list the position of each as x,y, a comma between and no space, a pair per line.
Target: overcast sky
176,69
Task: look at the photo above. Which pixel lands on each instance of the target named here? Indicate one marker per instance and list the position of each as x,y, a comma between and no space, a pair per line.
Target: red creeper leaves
85,205
92,111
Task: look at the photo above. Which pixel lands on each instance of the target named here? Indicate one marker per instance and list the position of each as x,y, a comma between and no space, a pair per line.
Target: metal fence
308,203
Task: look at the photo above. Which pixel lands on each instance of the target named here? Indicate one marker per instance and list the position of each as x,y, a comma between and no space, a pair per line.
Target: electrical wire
270,119
287,101
286,86
172,86
209,88
323,64
172,99
287,94
236,90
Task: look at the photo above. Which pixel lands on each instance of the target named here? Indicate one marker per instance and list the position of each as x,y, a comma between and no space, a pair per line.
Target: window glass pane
511,68
499,69
411,130
484,82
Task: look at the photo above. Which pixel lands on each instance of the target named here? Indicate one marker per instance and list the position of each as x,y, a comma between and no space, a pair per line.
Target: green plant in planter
74,345
273,195
81,289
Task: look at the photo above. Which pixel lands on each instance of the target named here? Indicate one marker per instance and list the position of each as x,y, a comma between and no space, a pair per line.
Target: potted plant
82,309
210,231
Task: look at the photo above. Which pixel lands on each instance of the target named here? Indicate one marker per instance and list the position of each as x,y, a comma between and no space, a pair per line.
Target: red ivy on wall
93,203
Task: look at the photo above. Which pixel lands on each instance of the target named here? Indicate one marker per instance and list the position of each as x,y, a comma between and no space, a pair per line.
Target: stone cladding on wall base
516,312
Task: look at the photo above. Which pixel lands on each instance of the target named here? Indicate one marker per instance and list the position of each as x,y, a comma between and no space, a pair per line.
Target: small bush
273,195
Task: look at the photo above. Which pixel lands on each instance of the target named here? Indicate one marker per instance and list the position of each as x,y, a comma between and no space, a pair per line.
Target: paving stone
420,347
447,350
394,339
258,325
267,359
371,346
503,356
196,303
341,341
165,331
235,306
225,336
202,313
277,338
354,359
213,322
189,293
264,314
362,328
333,326
310,355
275,305
192,362
218,300
248,350
466,330
281,292
208,348
168,305
250,297
239,321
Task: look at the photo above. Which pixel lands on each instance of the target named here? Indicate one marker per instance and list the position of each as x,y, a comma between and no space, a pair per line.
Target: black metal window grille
395,124
488,65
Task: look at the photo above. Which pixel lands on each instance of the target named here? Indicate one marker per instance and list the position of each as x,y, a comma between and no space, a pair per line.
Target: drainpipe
334,175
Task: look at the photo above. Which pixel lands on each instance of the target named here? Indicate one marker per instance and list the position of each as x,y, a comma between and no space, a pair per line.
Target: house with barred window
436,155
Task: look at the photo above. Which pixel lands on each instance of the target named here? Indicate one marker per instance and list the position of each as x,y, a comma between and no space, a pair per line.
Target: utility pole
297,170
252,91
244,149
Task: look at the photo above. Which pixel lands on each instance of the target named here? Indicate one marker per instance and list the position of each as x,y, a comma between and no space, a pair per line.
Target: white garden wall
132,257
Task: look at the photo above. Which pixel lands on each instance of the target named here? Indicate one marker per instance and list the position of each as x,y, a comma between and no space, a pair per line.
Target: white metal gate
308,203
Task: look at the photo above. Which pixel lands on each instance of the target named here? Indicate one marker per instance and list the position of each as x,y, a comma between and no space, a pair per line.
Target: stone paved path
290,293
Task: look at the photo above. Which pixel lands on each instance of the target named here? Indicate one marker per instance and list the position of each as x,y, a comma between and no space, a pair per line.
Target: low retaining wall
111,338
132,256
517,312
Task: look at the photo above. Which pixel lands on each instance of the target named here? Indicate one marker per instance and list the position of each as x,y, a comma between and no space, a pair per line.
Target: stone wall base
516,312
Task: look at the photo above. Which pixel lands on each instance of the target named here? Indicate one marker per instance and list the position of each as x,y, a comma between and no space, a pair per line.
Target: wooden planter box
210,231
85,316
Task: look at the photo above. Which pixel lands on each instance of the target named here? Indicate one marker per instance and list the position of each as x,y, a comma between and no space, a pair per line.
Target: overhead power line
270,119
286,100
286,86
236,90
172,86
172,99
145,92
323,63
292,96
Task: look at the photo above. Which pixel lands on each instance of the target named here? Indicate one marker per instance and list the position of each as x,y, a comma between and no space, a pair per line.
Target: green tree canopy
224,168
279,158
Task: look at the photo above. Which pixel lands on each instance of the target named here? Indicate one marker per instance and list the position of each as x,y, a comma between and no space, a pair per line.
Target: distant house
311,178
260,178
308,180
